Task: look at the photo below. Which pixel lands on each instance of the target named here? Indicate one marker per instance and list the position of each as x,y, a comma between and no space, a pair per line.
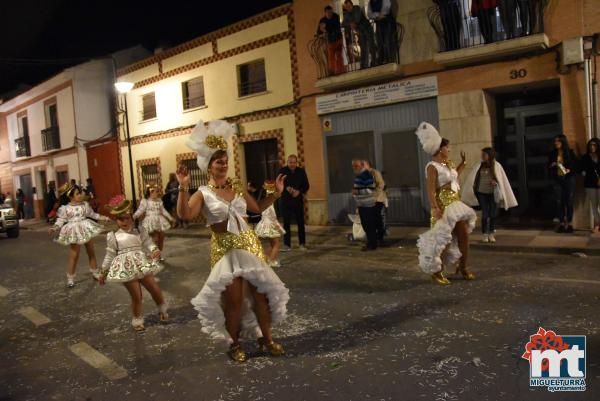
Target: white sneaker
486,238
70,281
303,247
274,263
286,248
492,238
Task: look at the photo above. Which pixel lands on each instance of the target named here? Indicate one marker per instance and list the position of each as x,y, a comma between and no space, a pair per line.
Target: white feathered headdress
206,141
429,137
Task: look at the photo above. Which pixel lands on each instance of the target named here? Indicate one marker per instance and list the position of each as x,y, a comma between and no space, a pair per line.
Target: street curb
478,246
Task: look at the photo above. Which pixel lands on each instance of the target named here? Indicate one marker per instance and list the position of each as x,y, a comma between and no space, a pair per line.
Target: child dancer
269,227
126,262
75,228
156,220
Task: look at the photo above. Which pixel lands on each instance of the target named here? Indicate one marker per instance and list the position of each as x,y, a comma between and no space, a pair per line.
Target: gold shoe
163,315
237,353
274,348
466,274
138,323
440,279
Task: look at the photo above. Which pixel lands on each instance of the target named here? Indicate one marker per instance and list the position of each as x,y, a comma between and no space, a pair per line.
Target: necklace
227,185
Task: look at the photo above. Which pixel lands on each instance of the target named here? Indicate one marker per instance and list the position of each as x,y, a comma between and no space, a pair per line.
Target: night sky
71,31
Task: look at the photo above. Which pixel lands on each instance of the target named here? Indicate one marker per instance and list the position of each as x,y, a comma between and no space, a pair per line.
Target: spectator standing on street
50,200
563,165
170,200
330,27
292,201
590,168
381,12
356,20
381,202
20,204
363,191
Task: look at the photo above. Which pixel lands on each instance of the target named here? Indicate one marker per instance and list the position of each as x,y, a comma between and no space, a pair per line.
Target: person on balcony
355,20
381,12
507,10
485,11
331,29
451,16
525,17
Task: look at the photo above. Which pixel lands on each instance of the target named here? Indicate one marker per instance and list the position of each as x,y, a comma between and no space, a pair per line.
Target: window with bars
148,106
193,93
252,78
150,176
197,176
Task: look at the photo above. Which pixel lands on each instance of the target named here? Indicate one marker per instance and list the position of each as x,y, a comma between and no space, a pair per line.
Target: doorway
26,186
527,125
262,160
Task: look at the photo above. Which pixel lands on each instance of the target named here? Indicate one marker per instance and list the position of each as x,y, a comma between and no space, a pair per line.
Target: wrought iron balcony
50,138
458,27
354,52
22,147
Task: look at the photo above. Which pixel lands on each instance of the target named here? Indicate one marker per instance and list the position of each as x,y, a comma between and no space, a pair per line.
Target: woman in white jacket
489,188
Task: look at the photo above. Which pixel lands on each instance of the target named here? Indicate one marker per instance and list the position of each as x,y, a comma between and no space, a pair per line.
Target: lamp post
123,88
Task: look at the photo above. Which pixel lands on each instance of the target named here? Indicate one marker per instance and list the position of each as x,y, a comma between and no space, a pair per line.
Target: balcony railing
50,139
22,147
356,50
458,27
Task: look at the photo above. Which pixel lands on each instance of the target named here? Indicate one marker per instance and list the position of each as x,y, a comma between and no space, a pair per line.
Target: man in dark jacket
451,16
330,26
355,19
380,11
292,201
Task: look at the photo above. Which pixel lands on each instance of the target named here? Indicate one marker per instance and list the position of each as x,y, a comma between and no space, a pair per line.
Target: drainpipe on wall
588,99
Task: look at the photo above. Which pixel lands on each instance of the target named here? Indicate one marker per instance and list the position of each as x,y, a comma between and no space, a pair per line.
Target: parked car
9,223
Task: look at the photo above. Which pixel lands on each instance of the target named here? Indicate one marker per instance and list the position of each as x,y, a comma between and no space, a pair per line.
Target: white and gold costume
236,253
126,256
439,239
156,216
75,225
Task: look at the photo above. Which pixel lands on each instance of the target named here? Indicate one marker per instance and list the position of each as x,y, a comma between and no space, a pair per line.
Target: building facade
47,126
245,73
513,89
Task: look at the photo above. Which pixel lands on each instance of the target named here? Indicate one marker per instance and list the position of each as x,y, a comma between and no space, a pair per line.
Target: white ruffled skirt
239,263
78,232
152,223
269,229
133,265
432,243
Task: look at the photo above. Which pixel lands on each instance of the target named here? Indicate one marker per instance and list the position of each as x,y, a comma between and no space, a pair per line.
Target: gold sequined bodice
221,243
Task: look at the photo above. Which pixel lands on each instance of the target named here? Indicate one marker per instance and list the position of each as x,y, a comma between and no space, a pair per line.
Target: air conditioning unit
572,51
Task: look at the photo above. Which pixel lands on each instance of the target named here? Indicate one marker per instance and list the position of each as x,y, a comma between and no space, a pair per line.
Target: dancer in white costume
74,227
447,241
126,261
156,219
268,227
242,296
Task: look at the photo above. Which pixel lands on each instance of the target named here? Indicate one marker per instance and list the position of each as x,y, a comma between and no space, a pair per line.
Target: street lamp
123,88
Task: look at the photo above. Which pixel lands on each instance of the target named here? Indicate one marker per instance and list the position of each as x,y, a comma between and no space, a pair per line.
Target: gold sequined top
221,243
445,195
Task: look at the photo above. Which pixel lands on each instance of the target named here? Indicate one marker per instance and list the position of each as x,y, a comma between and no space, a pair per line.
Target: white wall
36,120
92,91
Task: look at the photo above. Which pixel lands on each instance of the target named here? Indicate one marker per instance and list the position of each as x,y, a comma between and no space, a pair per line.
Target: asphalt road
360,327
